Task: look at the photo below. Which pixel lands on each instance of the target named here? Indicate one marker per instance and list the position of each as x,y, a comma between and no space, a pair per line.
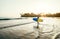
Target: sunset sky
12,8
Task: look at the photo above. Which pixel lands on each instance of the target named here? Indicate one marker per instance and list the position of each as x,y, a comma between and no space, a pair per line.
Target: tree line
40,15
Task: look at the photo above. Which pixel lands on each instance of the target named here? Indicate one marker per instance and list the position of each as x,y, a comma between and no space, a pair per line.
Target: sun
44,8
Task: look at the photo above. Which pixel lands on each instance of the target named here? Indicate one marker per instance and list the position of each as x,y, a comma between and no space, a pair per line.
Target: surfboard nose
35,19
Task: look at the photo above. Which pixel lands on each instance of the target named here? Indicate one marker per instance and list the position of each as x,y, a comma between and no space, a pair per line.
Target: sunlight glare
46,8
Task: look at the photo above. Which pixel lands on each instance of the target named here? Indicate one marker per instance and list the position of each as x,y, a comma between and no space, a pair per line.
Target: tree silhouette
39,15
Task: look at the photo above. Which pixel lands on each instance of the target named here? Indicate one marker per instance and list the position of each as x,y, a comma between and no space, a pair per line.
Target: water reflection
27,31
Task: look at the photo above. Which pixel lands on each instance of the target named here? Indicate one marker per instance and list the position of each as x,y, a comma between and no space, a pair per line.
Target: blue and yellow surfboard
38,19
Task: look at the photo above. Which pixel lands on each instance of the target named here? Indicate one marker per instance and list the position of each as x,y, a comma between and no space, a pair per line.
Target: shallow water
27,31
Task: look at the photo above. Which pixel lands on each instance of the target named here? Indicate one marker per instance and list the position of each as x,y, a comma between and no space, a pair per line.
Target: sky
13,8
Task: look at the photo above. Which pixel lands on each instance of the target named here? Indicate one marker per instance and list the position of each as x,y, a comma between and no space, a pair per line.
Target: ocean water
26,28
